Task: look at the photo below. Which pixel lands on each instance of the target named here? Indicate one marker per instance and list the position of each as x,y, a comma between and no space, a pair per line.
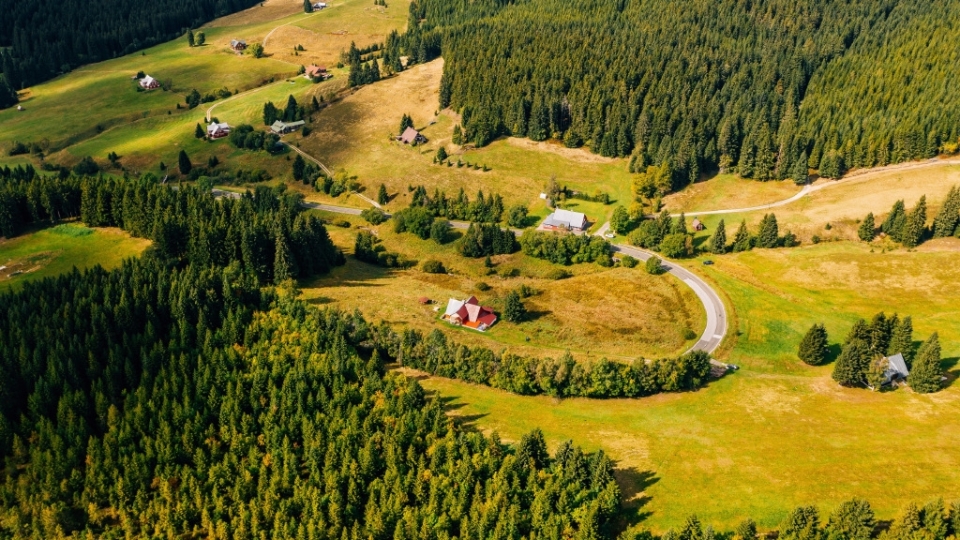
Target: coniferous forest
767,88
40,39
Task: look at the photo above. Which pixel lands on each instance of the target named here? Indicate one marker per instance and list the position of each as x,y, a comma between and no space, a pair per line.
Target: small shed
411,136
238,45
149,83
897,369
697,225
424,301
280,127
218,130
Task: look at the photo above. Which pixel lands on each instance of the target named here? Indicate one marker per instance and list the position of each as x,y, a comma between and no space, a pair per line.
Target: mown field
55,250
618,313
777,433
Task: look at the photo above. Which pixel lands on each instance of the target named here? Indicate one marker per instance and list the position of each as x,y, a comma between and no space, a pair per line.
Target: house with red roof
469,313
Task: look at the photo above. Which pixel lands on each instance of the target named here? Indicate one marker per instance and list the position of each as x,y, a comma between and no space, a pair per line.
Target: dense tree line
486,239
245,137
369,249
40,39
483,209
566,248
157,402
910,228
561,377
767,88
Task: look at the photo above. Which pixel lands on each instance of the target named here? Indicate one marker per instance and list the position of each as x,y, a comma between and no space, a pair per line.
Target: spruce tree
680,225
949,215
852,364
742,240
307,6
769,234
284,265
270,113
513,310
813,347
382,196
879,334
916,226
800,173
860,330
852,520
199,132
868,228
201,39
901,340
718,242
895,222
299,166
190,39
926,372
441,155
8,96
183,161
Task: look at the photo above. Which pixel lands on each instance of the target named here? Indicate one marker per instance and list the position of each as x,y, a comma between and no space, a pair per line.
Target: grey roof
566,218
298,123
898,364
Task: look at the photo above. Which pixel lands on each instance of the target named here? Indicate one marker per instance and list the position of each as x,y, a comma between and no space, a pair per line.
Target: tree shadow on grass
533,316
833,352
633,485
950,370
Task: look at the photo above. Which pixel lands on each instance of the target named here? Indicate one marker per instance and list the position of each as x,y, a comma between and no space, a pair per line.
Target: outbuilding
411,136
279,127
562,219
149,83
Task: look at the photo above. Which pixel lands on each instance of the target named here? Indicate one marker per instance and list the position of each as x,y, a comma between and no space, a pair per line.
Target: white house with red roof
218,130
149,83
469,313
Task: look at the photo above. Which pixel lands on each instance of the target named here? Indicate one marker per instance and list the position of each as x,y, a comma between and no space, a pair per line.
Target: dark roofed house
279,127
697,225
238,45
411,136
317,72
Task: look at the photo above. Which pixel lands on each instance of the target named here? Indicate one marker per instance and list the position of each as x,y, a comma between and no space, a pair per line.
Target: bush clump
433,266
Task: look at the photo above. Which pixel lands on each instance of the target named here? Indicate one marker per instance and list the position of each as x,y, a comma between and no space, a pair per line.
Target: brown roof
409,135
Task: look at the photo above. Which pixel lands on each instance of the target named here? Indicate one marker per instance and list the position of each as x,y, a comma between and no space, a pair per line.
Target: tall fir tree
190,39
867,229
895,222
800,172
183,162
901,339
718,241
769,234
814,346
382,196
852,364
199,132
742,240
307,6
916,226
945,224
926,373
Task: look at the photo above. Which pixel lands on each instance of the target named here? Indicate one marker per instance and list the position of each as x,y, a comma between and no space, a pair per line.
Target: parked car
707,262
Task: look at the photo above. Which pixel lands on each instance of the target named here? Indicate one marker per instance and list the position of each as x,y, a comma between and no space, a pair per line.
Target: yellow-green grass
619,313
728,191
777,433
846,203
356,133
55,250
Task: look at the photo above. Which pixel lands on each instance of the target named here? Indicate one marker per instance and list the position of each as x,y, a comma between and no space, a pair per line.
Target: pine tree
270,113
896,221
299,166
291,111
852,364
901,340
718,241
201,38
679,226
868,228
513,310
184,164
852,520
382,196
926,372
916,226
800,172
441,155
405,122
8,96
199,132
947,218
860,330
307,6
769,234
190,39
742,240
813,347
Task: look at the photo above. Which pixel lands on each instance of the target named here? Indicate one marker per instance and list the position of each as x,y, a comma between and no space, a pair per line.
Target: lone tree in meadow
718,242
620,220
926,372
256,50
382,196
307,6
813,346
441,154
654,266
742,240
199,132
868,228
183,162
769,234
190,39
201,38
513,308
299,167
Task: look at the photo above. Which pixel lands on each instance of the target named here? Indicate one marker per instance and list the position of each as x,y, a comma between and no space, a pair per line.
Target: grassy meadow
777,433
619,313
55,250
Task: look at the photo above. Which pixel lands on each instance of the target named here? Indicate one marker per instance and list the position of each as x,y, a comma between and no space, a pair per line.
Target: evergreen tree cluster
861,361
486,239
153,401
40,39
569,248
559,377
483,209
291,112
368,248
766,88
245,137
910,228
664,234
361,71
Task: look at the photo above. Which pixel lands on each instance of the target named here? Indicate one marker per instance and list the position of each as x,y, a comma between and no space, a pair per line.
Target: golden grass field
619,313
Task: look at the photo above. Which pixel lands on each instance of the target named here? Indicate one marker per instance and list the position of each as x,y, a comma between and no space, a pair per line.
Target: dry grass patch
269,10
728,191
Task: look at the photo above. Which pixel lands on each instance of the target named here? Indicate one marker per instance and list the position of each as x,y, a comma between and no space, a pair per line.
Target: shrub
18,148
654,266
86,167
513,309
689,334
676,246
439,231
342,223
433,266
557,274
628,261
374,216
482,287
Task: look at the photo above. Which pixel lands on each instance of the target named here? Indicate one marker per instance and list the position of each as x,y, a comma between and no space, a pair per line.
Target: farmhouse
697,224
217,131
897,369
280,127
565,220
317,72
149,83
469,313
320,5
411,136
238,45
